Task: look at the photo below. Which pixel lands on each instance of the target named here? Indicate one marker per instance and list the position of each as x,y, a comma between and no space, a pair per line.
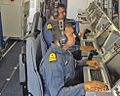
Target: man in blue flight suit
58,69
51,29
52,25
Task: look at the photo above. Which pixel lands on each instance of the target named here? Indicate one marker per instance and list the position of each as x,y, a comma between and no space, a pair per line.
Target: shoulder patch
52,57
49,26
52,17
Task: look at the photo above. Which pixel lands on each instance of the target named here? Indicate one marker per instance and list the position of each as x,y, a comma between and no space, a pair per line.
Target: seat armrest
22,62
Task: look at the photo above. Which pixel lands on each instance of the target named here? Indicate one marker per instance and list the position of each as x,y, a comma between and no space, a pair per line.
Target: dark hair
61,5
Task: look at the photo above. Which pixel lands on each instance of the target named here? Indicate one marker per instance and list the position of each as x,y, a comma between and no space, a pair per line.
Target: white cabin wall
75,5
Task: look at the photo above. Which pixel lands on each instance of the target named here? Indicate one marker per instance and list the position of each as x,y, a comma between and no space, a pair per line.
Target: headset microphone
63,38
61,26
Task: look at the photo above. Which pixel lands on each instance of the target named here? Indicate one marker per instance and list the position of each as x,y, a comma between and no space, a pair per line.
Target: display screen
114,37
100,40
113,69
102,24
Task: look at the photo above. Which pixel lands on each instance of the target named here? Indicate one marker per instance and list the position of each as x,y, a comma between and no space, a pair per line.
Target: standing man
58,69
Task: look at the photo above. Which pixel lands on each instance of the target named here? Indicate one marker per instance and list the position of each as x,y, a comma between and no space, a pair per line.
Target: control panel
116,89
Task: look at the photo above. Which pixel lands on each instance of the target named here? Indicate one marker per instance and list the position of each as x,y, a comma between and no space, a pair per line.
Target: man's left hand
86,48
94,64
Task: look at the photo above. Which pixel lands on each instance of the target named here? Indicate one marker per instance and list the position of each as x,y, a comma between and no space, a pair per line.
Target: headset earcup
66,39
63,40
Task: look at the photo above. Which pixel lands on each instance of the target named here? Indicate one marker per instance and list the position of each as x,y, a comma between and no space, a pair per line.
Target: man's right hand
86,48
95,86
93,63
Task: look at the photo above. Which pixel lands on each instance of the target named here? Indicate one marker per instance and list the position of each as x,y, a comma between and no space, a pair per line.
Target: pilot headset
63,37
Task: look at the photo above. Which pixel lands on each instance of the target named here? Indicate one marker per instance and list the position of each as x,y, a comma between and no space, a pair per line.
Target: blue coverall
56,74
50,33
47,33
54,32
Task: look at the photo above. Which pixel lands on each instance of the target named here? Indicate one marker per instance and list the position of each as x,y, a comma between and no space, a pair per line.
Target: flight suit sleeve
82,62
56,81
47,33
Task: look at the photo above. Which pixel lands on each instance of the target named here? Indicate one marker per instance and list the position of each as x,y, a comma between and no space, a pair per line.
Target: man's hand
81,34
95,86
86,48
94,64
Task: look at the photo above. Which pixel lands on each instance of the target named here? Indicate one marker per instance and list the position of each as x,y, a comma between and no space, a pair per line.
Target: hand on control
95,86
86,48
94,64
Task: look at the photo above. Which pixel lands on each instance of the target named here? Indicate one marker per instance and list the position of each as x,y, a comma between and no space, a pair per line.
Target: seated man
52,25
51,28
58,69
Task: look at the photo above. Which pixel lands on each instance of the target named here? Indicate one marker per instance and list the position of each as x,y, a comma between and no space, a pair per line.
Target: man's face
69,32
61,13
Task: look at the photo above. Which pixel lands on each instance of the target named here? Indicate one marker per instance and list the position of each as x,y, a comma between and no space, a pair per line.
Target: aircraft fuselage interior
96,24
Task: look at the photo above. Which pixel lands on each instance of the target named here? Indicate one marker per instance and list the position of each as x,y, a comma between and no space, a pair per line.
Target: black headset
63,38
